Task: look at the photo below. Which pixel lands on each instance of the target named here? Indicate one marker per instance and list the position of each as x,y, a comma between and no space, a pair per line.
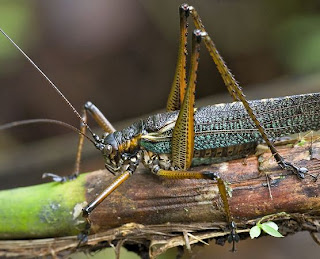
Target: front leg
133,164
103,122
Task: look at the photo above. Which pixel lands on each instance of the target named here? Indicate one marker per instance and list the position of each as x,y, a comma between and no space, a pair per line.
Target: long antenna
50,121
50,82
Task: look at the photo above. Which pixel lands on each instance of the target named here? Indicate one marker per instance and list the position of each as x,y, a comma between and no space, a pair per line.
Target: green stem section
45,210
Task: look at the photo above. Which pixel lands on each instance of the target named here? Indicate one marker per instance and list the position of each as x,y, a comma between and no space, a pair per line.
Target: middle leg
223,191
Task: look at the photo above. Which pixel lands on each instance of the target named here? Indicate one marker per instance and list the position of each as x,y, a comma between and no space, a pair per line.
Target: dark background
121,55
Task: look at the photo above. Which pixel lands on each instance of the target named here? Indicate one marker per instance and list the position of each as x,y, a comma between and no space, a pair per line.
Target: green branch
45,210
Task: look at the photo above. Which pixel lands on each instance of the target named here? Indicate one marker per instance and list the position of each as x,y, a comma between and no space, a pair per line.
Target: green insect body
226,131
169,143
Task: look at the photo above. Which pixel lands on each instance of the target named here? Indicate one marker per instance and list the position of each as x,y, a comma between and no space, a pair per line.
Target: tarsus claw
298,171
233,236
58,178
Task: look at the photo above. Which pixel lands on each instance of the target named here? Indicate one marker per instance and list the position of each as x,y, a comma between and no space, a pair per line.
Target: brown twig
165,212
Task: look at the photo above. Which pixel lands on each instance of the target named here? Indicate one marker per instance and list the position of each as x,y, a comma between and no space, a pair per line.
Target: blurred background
121,55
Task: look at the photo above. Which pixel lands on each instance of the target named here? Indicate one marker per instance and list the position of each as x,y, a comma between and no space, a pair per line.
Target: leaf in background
271,224
255,232
271,228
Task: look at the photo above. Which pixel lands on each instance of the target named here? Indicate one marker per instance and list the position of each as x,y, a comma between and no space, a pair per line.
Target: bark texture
166,213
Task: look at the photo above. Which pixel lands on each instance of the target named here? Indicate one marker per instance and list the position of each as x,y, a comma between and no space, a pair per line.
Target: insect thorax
223,131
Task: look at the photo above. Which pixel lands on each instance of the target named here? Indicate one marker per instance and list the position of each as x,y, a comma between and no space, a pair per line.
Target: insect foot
210,175
86,211
58,178
233,236
83,236
298,171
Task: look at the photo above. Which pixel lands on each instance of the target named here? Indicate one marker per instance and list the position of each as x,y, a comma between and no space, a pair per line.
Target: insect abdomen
228,125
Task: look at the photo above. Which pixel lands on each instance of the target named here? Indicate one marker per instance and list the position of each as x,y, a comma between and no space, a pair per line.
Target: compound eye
108,149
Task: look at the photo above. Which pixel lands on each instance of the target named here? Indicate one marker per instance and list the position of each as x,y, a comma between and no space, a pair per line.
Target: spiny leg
237,93
177,91
179,82
103,122
83,236
224,71
183,133
183,138
133,164
233,236
114,185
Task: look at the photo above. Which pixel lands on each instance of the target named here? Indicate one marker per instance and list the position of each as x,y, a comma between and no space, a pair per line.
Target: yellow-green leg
102,122
233,236
237,94
178,87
